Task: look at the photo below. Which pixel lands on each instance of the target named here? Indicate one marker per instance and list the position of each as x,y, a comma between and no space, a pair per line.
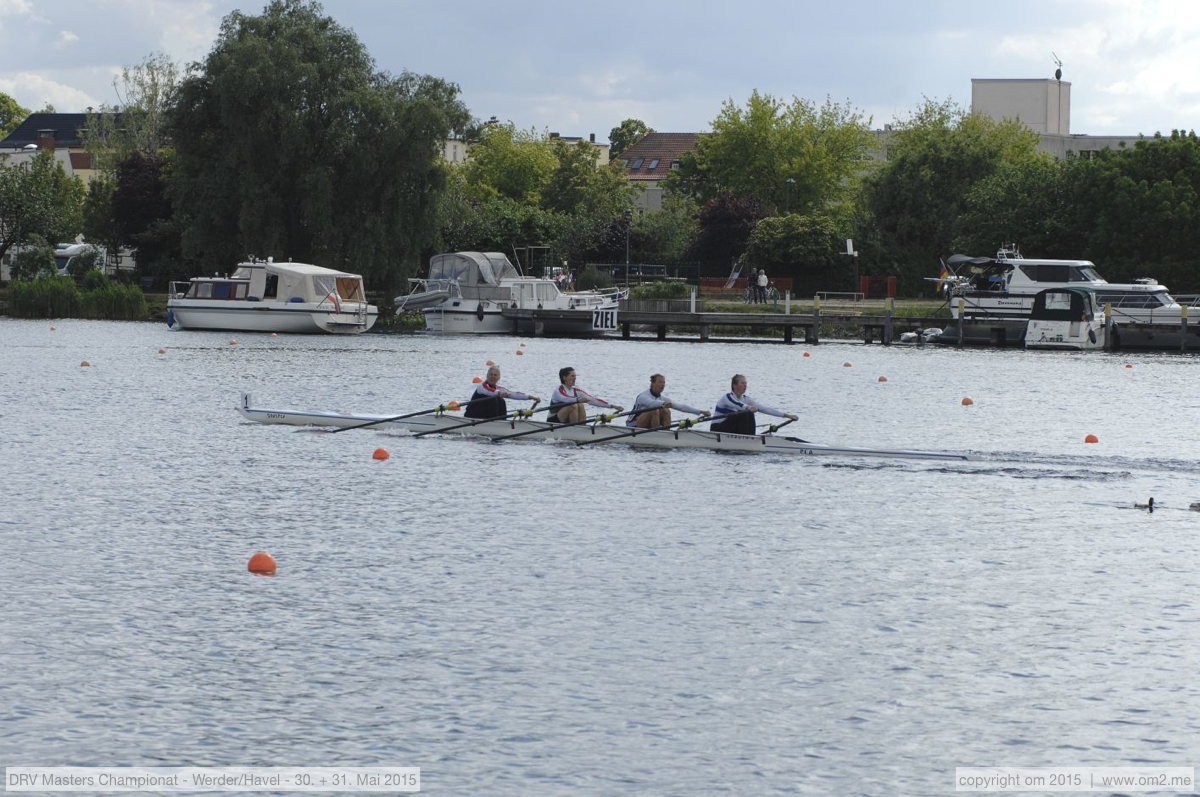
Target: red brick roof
651,157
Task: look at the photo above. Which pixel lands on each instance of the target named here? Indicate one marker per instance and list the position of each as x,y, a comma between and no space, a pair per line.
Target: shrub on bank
661,290
59,297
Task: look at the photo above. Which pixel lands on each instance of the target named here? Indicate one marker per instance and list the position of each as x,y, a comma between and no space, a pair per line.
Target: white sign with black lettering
604,320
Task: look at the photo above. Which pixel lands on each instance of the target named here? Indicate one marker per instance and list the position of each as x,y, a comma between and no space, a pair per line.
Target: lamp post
791,181
628,214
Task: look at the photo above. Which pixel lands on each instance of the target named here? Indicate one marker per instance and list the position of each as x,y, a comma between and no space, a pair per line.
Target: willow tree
289,144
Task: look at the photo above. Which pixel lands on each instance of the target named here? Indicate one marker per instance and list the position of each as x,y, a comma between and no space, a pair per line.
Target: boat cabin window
1056,272
1058,301
217,290
1118,299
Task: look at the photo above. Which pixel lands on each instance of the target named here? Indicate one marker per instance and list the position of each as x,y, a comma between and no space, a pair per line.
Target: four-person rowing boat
521,424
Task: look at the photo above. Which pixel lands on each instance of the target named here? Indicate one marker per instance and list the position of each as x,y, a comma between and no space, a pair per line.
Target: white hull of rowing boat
671,438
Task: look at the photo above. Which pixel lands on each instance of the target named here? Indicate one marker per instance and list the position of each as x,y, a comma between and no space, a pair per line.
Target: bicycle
750,295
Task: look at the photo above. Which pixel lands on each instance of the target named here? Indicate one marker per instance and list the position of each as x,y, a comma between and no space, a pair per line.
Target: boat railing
1188,299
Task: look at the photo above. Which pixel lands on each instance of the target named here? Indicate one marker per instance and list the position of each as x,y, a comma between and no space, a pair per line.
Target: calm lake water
536,618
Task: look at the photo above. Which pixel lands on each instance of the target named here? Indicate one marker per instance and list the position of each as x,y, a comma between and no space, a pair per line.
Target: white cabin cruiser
265,296
1003,288
1065,318
467,293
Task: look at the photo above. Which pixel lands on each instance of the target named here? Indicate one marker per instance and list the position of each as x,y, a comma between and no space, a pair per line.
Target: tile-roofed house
59,133
648,162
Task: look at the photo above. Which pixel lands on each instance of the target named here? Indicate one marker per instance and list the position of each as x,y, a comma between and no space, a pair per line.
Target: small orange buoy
806,354
1091,439
84,364
520,351
489,363
1128,365
53,328
274,334
847,365
968,402
232,342
262,564
380,454
477,380
162,351
883,379
522,345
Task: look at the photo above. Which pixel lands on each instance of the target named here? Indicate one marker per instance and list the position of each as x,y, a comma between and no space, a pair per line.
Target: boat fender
1092,335
170,318
479,311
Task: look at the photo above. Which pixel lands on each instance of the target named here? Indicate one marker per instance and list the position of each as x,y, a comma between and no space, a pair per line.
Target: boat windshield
1127,300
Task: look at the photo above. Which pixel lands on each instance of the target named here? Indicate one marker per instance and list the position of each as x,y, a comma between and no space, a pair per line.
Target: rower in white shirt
741,408
652,410
568,403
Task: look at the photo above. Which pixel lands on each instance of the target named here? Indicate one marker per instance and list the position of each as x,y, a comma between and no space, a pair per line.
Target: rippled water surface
539,618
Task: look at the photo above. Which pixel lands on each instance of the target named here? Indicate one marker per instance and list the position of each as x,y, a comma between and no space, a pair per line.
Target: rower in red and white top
652,410
488,400
739,410
568,402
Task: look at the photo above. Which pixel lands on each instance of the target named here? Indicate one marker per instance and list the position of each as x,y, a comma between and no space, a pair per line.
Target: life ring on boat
479,311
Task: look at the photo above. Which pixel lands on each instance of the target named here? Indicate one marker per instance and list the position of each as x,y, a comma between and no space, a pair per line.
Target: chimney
592,137
45,139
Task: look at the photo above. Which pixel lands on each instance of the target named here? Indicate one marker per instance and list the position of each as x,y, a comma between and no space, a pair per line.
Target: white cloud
33,91
65,39
15,8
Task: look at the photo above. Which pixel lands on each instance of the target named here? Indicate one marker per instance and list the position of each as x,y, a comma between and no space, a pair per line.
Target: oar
450,406
776,427
684,424
516,414
597,418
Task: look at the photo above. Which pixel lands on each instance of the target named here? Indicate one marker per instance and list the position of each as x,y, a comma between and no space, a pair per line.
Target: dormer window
652,165
636,163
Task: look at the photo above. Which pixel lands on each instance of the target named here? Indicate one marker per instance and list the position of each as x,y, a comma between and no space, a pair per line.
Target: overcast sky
577,68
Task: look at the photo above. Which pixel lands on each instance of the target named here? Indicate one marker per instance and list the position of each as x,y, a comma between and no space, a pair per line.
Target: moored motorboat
265,296
1065,318
442,423
468,292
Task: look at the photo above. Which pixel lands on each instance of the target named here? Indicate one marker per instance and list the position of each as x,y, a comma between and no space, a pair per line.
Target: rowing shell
667,438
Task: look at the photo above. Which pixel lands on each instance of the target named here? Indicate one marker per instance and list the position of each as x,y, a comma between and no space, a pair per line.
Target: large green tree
146,93
11,114
919,195
510,163
38,201
625,135
796,157
290,144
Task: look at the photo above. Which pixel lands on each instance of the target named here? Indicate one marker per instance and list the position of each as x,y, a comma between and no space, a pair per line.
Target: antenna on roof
1058,62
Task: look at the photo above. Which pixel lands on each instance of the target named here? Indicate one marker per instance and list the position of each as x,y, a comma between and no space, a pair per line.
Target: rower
736,401
652,410
567,401
488,400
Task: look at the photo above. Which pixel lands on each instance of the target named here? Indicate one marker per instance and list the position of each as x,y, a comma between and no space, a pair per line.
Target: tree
38,200
288,143
725,223
11,114
625,135
804,247
507,162
793,156
137,123
934,160
665,236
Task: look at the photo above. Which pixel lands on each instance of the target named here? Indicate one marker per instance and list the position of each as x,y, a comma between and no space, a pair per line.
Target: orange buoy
84,364
1091,439
806,354
162,351
262,564
847,365
520,351
232,342
883,379
967,402
53,328
380,454
489,363
522,345
274,334
1128,365
477,380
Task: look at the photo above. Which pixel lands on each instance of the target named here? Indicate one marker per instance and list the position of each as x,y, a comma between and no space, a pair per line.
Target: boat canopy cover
472,268
1064,304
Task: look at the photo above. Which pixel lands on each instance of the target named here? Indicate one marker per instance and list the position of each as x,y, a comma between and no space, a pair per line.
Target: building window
674,165
652,165
636,163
